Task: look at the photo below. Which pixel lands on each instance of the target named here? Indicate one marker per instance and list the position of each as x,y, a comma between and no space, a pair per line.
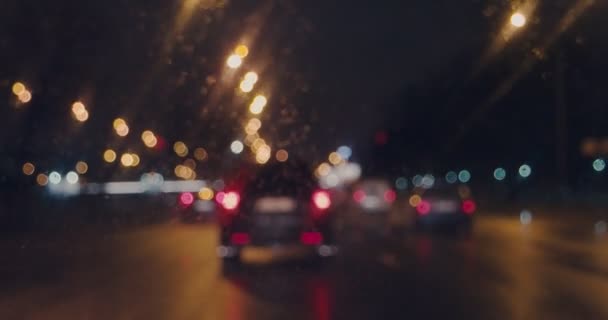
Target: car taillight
311,238
469,206
186,199
359,196
239,238
423,207
390,196
321,200
228,200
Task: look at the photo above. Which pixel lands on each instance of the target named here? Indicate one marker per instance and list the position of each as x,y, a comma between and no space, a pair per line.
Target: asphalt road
554,268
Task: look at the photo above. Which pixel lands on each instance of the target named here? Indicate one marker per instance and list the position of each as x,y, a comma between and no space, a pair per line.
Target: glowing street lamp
518,20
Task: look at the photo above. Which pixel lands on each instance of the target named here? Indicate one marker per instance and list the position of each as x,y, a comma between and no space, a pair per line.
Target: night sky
336,72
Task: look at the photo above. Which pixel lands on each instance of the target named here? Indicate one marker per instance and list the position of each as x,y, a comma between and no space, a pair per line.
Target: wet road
551,269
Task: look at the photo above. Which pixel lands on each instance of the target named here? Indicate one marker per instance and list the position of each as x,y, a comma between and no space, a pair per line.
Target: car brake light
469,206
359,196
321,200
228,200
390,196
423,207
239,238
311,238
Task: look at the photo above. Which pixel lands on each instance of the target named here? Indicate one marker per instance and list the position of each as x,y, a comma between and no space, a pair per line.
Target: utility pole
561,121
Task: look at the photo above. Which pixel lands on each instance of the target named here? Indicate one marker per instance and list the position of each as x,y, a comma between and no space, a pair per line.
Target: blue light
451,177
345,152
401,183
417,180
599,165
500,174
464,176
525,171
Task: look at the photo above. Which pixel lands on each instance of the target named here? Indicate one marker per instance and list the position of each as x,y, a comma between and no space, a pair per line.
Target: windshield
289,159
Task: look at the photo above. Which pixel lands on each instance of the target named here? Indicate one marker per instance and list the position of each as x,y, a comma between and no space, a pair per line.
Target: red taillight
228,200
359,196
239,238
186,199
321,200
423,207
469,206
390,196
311,238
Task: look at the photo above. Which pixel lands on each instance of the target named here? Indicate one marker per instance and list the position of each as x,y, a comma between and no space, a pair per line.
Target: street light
518,20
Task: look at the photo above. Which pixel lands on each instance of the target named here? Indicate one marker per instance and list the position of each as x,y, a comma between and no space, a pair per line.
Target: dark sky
336,71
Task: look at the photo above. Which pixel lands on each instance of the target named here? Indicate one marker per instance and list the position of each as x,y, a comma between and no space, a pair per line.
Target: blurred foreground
550,268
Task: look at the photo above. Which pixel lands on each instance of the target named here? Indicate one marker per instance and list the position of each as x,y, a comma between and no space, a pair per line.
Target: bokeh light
82,167
42,179
282,155
149,139
200,154
464,176
136,159
518,20
500,174
71,177
251,76
118,122
345,152
234,61
236,147
415,200
323,169
205,194
79,111
126,160
25,96
54,177
246,86
263,154
451,177
525,171
253,125
599,165
82,116
258,104
18,88
241,50
109,156
401,183
335,158
121,127
180,149
28,168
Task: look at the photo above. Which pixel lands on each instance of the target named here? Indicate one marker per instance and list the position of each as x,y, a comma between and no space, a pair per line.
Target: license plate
275,205
444,206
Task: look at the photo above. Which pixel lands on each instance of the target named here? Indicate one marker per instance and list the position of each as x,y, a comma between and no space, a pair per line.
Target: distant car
374,196
443,206
372,201
278,213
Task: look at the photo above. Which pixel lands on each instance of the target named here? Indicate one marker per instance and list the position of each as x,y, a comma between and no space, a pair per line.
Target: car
372,203
374,196
275,213
443,206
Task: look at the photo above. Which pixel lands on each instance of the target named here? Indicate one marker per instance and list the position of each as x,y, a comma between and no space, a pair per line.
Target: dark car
443,206
276,213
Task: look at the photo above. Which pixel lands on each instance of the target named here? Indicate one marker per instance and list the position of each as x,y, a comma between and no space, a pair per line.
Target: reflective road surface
550,269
